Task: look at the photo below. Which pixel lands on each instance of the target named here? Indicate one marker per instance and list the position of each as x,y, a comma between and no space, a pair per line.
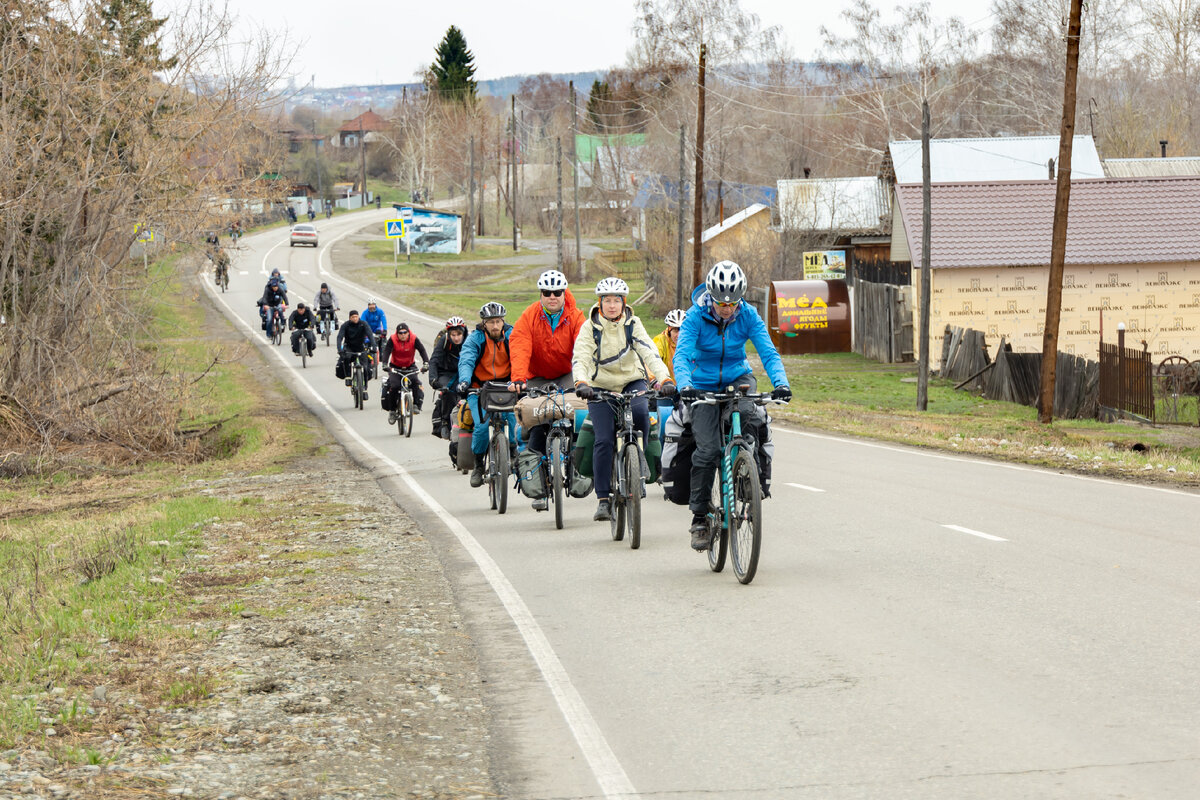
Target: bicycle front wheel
616,523
500,471
356,388
633,494
554,452
718,534
401,419
745,524
408,415
303,345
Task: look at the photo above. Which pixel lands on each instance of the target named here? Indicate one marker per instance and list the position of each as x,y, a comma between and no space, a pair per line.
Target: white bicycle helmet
371,301
492,310
726,282
456,322
612,286
552,280
674,318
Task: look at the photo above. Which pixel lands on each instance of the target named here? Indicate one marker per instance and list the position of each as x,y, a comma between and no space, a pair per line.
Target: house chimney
807,172
1050,167
1163,144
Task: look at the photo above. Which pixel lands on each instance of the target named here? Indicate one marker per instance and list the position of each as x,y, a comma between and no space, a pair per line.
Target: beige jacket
626,352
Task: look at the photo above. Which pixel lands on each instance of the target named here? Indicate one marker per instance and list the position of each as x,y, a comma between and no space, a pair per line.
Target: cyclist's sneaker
541,504
348,380
603,511
477,472
365,395
416,408
699,531
391,418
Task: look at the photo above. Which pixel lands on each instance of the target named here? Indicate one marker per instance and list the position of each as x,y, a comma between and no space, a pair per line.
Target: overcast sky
368,42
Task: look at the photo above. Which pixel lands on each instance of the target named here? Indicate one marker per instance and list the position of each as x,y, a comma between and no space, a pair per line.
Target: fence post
1121,368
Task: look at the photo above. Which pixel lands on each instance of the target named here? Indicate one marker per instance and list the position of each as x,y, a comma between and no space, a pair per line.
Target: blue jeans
604,424
481,434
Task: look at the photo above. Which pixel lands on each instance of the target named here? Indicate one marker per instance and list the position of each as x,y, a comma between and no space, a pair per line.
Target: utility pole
1062,199
558,208
680,190
317,156
471,195
512,160
698,210
362,157
926,278
579,269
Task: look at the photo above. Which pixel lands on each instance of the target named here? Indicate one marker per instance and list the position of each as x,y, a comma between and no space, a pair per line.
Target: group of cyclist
554,342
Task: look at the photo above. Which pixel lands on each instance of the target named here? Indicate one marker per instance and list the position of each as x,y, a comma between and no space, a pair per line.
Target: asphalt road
922,625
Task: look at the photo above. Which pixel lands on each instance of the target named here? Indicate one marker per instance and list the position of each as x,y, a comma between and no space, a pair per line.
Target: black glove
425,367
783,393
584,392
667,389
689,395
462,387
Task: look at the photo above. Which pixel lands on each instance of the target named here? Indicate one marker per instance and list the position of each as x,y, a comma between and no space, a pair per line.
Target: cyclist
711,355
354,340
443,370
301,324
543,340
274,296
485,356
377,320
619,356
667,340
326,304
276,275
400,354
212,240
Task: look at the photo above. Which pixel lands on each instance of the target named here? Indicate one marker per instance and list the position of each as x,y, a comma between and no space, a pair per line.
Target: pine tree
453,70
134,32
599,106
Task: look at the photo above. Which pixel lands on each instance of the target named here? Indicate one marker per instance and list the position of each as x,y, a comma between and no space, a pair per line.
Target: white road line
805,488
606,769
268,253
987,536
983,462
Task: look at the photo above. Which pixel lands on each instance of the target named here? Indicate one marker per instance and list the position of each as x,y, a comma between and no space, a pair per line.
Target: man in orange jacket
542,343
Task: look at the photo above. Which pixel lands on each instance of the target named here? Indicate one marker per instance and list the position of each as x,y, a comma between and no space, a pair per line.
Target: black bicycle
358,378
559,441
496,400
327,324
402,413
628,473
276,325
735,510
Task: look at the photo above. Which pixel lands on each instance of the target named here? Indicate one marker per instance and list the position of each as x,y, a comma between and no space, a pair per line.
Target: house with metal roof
1001,158
1133,257
1152,167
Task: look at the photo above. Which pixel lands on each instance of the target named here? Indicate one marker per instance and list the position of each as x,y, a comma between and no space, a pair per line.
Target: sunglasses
726,305
552,292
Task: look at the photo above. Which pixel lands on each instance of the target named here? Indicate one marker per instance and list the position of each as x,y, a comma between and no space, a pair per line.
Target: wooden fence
882,315
1126,379
606,262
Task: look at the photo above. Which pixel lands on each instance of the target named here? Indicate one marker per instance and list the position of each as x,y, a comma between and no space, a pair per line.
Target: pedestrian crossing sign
394,228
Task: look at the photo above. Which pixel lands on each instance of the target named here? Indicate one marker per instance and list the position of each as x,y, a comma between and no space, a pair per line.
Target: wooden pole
682,214
1062,198
698,209
926,278
362,156
559,212
512,160
471,196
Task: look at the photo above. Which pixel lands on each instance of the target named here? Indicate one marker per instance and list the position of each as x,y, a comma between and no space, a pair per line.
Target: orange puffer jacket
538,352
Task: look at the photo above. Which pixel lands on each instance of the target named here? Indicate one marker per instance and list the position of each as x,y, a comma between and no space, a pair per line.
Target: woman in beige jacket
614,352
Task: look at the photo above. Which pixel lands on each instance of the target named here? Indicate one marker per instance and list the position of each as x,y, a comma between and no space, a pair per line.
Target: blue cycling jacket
376,319
711,353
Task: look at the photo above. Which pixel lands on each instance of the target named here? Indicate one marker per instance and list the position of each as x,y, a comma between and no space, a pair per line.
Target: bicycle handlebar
546,391
605,394
715,398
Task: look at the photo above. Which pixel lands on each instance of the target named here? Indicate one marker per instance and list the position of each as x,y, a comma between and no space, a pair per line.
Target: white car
303,234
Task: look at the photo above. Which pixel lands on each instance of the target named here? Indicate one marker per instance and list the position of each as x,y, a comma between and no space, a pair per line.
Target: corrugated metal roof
1010,158
844,205
1112,221
736,219
1152,167
659,191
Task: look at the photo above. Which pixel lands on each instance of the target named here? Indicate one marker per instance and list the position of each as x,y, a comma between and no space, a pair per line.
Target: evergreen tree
453,70
599,106
134,33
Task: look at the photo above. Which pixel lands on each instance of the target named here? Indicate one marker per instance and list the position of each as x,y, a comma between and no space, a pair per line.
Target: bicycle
735,510
559,441
495,399
326,324
302,347
628,477
402,414
276,325
358,379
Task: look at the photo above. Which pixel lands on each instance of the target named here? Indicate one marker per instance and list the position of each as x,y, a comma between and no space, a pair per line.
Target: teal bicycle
735,510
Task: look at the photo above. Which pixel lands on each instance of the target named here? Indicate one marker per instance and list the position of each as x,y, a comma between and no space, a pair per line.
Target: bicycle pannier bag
496,396
579,485
531,474
585,441
678,447
340,369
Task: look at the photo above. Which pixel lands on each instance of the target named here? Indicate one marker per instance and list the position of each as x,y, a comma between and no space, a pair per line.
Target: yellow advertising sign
802,314
825,265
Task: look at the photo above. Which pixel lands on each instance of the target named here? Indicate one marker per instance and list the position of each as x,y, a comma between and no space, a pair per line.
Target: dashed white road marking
805,488
980,534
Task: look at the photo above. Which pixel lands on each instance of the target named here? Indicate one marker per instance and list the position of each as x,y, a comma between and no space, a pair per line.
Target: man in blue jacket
485,357
377,321
710,356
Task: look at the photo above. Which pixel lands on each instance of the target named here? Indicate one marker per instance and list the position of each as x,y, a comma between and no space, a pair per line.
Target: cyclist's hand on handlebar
584,392
461,387
783,393
689,395
425,367
666,388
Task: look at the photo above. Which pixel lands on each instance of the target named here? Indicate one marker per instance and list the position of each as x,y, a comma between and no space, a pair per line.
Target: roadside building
1180,167
1133,257
367,125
